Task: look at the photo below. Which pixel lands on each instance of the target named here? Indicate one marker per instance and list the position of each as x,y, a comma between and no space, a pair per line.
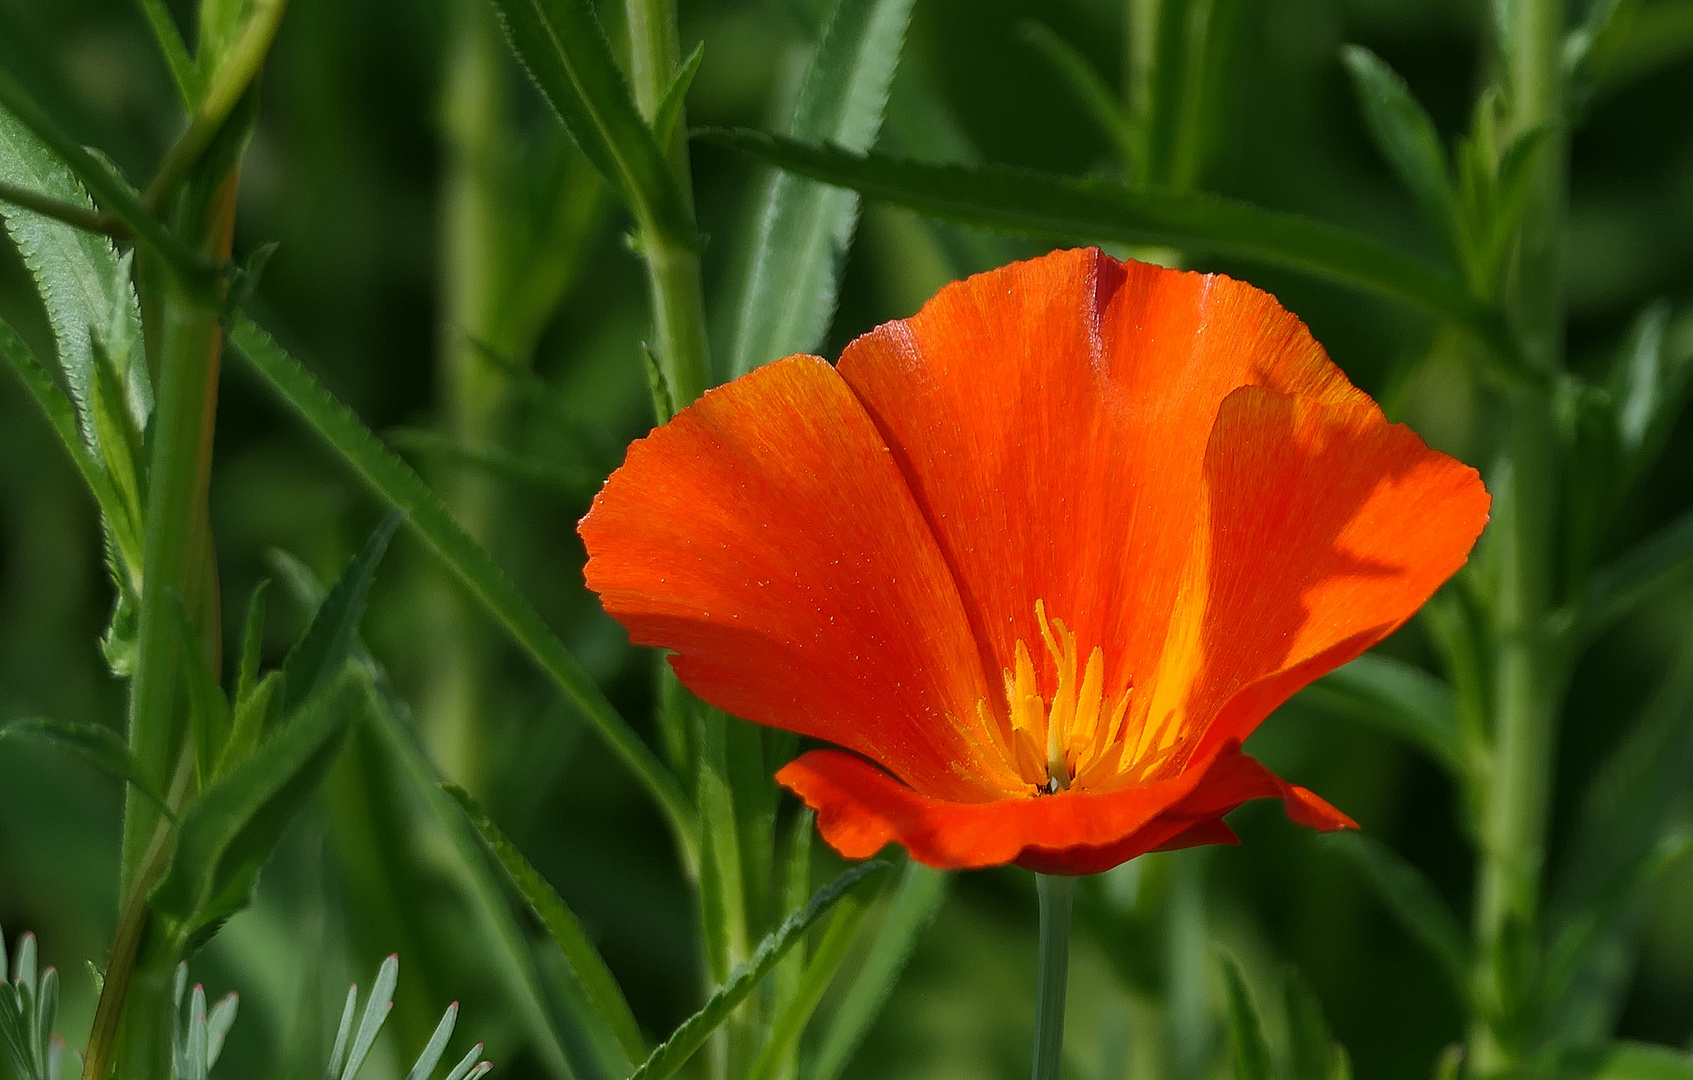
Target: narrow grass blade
1407,138
585,962
1414,901
1086,86
1397,697
174,50
343,1033
566,52
674,1052
1068,208
804,227
1246,1033
917,900
1638,574
322,651
395,482
794,1012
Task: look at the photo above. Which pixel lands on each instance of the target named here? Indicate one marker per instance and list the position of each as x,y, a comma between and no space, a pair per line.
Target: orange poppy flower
1038,558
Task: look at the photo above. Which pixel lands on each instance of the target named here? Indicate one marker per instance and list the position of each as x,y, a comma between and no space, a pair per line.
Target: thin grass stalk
673,264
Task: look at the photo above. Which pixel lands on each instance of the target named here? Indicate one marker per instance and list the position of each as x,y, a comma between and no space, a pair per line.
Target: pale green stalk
673,264
1057,901
1528,675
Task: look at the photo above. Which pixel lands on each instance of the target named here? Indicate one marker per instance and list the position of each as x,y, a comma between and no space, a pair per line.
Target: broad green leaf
596,980
1069,208
100,746
804,227
794,1012
1404,890
565,50
1407,139
396,483
110,191
1637,575
322,651
675,1051
1087,87
83,282
915,903
1397,697
227,834
1247,1047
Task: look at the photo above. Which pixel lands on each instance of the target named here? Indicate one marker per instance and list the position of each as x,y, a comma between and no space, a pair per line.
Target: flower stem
673,264
1057,898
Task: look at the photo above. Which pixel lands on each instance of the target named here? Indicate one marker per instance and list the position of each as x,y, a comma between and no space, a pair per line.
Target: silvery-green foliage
29,1004
353,1045
197,1038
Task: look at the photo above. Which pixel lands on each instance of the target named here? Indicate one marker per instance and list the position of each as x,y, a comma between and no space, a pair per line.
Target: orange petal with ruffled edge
765,537
861,809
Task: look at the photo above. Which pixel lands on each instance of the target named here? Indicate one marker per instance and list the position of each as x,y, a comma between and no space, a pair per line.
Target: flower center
1056,740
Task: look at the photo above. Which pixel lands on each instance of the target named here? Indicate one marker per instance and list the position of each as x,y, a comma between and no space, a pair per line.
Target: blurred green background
347,171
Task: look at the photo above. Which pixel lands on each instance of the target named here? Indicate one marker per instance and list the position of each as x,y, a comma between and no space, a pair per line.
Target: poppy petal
1052,417
1328,527
767,538
861,809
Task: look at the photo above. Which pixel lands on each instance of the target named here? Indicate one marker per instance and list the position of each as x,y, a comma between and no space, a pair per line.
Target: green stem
1528,674
673,267
1057,899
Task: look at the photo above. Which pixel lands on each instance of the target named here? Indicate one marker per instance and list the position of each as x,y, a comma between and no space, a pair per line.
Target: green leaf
395,482
794,1011
670,109
596,980
175,51
511,954
98,745
1641,1061
805,228
1313,1053
252,716
1637,575
227,834
110,191
1397,697
208,708
564,49
252,644
674,1052
1589,49
916,901
1087,87
723,908
1250,1052
577,484
81,278
1413,900
318,657
1407,139
1068,208
1651,385
1631,799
